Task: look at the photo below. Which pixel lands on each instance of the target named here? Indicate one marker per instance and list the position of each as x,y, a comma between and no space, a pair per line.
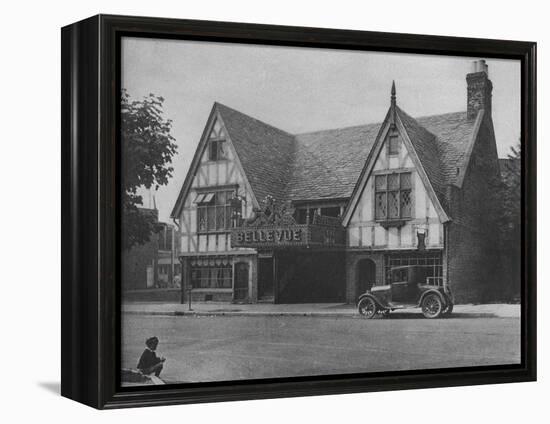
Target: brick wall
479,94
473,238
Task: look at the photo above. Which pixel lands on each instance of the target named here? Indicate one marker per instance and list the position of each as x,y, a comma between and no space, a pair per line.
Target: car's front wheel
367,307
432,306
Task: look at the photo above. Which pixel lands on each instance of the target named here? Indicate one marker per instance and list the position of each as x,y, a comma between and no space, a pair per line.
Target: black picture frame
90,210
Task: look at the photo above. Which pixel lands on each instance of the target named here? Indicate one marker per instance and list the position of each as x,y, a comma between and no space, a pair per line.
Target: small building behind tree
151,270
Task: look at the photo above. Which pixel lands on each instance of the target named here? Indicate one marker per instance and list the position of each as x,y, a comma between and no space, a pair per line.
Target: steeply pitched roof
454,132
327,164
265,152
440,143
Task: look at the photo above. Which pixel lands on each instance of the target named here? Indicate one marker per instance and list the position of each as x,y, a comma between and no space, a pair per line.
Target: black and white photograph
290,212
304,212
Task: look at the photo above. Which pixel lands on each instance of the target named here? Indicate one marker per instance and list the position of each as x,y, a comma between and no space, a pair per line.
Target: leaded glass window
393,204
381,206
393,196
406,204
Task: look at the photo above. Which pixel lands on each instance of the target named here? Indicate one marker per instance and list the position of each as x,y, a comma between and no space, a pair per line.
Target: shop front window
432,263
212,277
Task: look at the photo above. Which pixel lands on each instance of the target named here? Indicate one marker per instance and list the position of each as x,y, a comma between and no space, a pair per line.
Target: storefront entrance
310,277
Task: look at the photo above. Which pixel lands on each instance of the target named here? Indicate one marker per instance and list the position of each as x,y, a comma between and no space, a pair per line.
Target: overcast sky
301,89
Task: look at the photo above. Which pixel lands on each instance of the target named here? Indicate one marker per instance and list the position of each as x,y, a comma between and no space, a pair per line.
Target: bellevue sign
273,225
254,236
297,235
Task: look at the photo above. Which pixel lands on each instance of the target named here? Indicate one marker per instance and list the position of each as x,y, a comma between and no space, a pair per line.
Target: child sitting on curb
149,362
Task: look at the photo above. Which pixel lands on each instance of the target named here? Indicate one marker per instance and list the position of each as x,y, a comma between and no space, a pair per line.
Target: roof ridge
298,134
379,123
440,114
336,129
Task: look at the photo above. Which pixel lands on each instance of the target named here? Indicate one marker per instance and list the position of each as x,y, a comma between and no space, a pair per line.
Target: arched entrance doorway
365,276
240,287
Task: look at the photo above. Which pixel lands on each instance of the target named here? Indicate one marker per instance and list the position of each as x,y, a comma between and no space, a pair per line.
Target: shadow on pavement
51,386
408,315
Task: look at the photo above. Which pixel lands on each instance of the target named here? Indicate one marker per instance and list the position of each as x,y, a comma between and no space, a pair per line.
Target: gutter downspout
446,239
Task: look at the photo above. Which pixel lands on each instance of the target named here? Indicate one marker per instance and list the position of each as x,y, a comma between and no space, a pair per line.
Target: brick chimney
480,89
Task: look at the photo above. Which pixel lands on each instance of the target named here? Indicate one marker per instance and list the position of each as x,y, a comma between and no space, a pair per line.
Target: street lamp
189,290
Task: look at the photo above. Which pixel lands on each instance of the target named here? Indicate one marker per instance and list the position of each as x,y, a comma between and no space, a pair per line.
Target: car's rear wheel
449,309
432,306
367,307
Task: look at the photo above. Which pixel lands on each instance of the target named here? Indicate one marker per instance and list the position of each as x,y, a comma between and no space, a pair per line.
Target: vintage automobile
410,287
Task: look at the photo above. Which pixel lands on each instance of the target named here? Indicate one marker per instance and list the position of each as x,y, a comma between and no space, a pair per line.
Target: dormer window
216,143
216,150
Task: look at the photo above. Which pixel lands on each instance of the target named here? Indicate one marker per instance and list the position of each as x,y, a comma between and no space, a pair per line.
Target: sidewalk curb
350,315
243,314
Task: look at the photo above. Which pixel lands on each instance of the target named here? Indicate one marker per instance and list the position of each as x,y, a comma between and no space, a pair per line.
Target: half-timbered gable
204,209
395,200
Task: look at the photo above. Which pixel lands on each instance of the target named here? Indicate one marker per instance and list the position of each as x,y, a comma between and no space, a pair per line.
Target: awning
203,198
211,261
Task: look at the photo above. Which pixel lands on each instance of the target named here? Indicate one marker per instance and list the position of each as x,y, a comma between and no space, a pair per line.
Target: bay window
214,211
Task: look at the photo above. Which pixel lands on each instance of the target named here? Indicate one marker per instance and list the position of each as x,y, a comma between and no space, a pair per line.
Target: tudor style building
265,215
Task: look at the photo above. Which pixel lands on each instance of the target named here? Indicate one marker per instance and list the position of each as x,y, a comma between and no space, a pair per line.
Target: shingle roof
440,143
453,132
265,152
327,164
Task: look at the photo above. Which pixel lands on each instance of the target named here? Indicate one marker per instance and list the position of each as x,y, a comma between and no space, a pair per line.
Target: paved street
210,348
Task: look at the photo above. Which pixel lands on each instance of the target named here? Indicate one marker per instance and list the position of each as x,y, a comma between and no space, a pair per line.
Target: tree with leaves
147,151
